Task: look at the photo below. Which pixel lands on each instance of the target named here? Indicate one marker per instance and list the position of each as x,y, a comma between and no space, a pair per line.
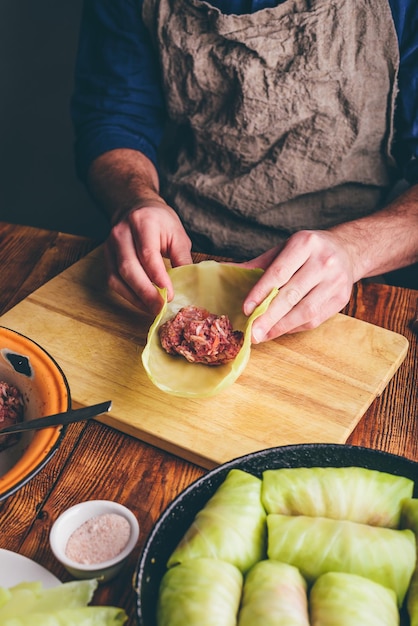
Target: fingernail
249,308
258,335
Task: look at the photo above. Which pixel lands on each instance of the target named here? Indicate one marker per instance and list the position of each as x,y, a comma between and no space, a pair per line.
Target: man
268,131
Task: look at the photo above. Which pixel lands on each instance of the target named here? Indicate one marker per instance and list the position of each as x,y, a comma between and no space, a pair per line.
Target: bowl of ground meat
32,385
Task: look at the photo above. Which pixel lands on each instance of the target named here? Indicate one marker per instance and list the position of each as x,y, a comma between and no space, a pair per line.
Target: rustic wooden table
95,461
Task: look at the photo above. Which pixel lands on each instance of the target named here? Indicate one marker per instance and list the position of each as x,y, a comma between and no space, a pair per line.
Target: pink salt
99,539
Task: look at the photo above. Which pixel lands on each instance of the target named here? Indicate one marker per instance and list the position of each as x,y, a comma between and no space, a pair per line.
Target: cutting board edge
395,366
198,458
160,443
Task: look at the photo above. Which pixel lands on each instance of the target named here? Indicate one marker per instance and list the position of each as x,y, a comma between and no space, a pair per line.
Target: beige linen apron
280,120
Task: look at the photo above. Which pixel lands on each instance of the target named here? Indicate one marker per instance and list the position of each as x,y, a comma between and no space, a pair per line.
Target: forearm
121,180
384,241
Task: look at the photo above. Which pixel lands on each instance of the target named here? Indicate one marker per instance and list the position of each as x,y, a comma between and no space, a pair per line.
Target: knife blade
60,419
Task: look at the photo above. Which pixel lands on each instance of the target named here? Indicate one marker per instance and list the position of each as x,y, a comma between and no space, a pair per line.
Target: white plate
15,568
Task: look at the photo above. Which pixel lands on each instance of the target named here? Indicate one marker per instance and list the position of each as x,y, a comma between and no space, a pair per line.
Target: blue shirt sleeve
405,17
117,100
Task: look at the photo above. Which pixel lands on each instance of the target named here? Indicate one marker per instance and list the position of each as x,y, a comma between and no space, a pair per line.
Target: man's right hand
135,252
145,230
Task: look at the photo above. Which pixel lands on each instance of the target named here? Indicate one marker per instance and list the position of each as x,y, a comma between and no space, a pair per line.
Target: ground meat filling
11,412
201,337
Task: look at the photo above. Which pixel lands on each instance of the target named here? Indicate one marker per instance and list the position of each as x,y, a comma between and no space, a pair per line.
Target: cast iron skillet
178,516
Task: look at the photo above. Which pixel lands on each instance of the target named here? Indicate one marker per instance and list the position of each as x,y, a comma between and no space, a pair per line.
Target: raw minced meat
201,337
11,412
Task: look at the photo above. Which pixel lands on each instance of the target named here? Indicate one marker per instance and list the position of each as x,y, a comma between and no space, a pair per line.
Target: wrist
122,181
353,238
149,200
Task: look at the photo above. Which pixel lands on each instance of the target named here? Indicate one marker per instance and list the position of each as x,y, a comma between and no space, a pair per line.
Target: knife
59,419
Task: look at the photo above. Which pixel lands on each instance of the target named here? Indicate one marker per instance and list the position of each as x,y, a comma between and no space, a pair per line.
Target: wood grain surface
97,461
303,388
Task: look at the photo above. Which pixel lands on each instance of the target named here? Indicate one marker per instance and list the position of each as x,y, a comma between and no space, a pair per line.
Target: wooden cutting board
304,388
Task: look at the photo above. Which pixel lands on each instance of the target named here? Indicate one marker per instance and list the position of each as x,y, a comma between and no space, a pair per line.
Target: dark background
38,184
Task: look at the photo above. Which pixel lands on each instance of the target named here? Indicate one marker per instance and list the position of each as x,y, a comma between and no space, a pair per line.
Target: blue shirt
118,101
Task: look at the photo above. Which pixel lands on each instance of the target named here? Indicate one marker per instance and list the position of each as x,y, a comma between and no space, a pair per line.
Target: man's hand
134,254
314,274
145,230
315,270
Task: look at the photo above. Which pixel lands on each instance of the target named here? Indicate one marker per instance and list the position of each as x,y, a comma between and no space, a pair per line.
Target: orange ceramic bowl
45,390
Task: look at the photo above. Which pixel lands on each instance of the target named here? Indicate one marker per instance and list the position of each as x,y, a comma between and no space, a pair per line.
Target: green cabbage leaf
31,597
317,545
30,604
350,600
351,493
409,519
274,594
200,591
221,289
230,527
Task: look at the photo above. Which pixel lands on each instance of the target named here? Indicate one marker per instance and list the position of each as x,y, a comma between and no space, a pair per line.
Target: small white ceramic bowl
72,519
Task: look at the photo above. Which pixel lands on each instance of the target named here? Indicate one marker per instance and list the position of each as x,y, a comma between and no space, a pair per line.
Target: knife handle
59,419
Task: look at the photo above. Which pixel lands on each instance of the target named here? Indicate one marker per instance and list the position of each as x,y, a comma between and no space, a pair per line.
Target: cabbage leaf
274,594
221,289
352,493
317,545
409,519
350,600
231,526
32,597
30,604
82,616
200,591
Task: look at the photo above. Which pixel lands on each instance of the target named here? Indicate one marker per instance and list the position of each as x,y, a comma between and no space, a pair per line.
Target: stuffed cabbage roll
201,592
231,526
352,493
274,594
409,519
350,600
221,289
317,545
